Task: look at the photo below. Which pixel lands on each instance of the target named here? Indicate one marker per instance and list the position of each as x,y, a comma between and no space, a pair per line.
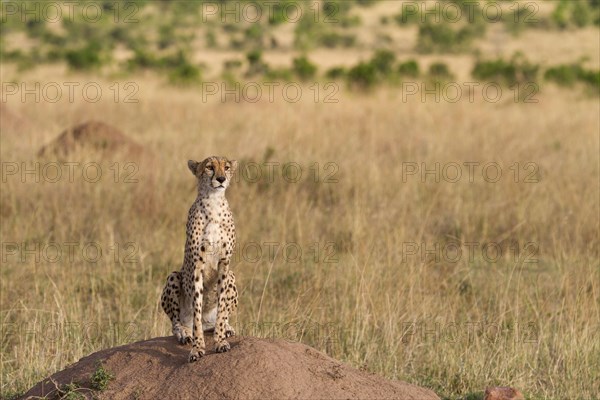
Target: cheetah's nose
221,179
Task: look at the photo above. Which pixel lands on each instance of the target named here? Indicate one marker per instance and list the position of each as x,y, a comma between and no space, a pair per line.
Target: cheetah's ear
193,166
234,165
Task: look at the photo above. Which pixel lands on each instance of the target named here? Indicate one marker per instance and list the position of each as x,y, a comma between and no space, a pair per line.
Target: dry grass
452,326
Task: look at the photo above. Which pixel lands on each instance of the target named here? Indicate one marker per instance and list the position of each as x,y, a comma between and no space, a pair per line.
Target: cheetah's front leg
198,346
171,306
232,300
223,307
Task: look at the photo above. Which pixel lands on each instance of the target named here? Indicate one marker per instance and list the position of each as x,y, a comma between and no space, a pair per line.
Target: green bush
70,391
101,378
254,56
578,13
409,69
232,64
253,36
166,36
498,70
443,38
303,68
185,74
278,14
362,76
581,14
182,71
255,64
55,40
564,75
211,39
88,57
35,27
470,13
520,19
383,61
592,78
13,55
335,73
408,18
568,75
439,71
172,61
142,59
335,39
366,3
517,70
306,32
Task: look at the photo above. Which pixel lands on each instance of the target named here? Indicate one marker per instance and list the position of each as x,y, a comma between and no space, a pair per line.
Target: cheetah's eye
209,167
227,168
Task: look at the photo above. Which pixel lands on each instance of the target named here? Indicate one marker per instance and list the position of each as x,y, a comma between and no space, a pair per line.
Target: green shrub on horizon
575,14
516,71
383,61
232,64
185,73
142,59
439,71
256,66
443,38
362,76
335,39
303,68
569,74
278,14
253,35
564,75
409,69
336,73
88,57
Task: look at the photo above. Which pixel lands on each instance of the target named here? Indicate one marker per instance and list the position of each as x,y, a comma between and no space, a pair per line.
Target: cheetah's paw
195,355
183,340
222,347
183,336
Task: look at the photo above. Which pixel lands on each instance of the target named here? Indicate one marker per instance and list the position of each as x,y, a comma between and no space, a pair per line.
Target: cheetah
201,296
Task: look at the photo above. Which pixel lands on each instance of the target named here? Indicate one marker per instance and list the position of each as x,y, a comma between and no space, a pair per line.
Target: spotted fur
203,294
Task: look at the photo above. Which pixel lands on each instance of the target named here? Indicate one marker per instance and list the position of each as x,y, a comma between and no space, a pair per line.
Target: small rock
502,393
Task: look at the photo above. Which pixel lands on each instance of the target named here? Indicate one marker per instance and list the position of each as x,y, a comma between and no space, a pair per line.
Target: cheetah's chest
214,239
217,232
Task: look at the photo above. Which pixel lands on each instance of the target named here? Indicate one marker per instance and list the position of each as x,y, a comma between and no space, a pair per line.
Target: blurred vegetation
569,14
304,69
163,36
570,74
517,70
439,72
409,69
450,31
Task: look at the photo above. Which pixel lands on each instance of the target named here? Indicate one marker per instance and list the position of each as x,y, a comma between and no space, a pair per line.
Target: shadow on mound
96,137
253,369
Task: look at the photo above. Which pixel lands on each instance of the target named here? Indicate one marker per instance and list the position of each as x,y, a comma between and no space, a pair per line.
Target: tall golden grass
456,324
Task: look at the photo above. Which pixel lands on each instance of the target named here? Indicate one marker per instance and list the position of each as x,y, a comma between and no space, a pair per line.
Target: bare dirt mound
253,369
95,136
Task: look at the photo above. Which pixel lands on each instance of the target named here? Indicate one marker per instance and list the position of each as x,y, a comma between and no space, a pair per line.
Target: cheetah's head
214,173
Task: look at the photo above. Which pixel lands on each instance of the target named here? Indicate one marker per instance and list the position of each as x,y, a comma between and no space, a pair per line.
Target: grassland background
455,327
